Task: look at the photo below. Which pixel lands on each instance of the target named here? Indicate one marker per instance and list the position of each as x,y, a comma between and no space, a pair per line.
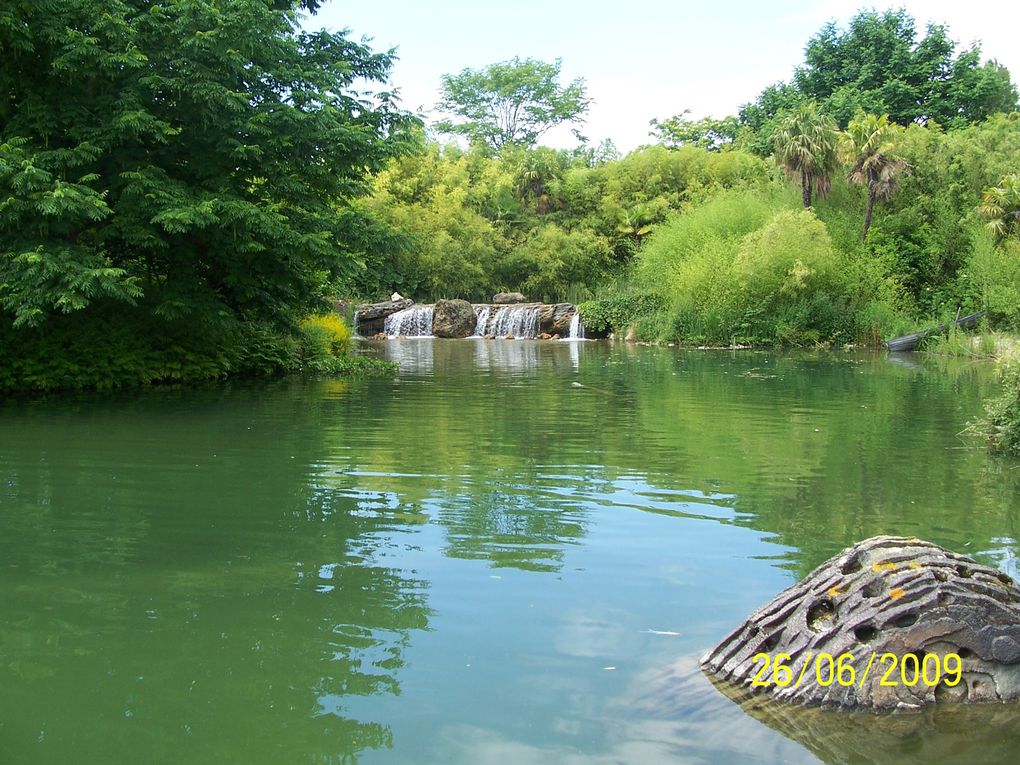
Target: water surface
514,551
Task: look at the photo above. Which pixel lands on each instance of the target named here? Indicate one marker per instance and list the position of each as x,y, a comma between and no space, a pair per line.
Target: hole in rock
851,565
873,589
904,620
820,615
866,633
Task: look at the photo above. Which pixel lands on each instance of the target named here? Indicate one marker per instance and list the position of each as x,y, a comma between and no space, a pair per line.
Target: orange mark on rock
885,566
915,564
896,593
836,589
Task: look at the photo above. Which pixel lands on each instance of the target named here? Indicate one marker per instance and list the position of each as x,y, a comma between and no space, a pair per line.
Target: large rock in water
554,318
905,598
453,318
370,317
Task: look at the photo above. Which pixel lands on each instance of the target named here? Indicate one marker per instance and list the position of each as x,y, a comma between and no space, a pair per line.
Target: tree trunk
867,214
805,189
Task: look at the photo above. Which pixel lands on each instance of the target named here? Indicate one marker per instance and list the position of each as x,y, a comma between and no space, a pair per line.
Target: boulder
370,317
453,318
554,318
917,625
506,298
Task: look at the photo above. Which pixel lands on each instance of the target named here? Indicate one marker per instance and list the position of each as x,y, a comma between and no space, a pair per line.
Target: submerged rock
915,624
453,318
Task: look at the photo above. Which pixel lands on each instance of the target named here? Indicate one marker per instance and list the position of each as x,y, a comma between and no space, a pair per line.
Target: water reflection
318,571
186,589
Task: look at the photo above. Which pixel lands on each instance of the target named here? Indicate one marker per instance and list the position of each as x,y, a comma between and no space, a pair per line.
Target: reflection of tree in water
510,526
193,597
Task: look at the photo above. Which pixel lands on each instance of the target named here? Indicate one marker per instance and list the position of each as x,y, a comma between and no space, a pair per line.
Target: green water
512,552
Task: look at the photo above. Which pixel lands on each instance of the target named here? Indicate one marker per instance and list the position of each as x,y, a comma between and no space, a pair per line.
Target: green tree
707,133
1001,206
879,65
805,142
869,148
178,162
511,102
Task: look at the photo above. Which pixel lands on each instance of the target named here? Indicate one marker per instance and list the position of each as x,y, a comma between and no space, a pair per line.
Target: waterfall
415,321
576,327
520,322
482,320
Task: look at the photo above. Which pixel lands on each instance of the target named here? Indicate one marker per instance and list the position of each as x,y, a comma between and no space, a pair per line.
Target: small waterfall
576,327
482,320
521,322
415,321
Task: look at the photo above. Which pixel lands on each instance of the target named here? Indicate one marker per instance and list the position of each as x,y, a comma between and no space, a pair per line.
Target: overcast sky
640,58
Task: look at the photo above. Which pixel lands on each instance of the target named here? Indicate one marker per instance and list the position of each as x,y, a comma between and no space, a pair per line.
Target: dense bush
614,313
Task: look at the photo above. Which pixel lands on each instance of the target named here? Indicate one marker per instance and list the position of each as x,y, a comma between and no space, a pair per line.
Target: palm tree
806,148
868,146
1001,205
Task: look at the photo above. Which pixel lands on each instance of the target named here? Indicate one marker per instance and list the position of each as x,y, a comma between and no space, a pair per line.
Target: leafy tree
1001,206
806,148
179,162
878,65
511,102
868,147
706,133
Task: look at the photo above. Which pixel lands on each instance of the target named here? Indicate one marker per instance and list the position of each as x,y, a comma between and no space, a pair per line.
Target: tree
805,145
879,66
707,133
512,102
868,147
179,162
1001,206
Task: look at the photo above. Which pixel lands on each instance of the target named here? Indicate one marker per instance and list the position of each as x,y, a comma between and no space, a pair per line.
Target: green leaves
510,103
188,158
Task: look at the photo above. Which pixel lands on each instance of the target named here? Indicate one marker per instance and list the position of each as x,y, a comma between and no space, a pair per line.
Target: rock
489,337
631,335
508,336
545,336
554,318
396,296
370,317
506,298
453,318
886,595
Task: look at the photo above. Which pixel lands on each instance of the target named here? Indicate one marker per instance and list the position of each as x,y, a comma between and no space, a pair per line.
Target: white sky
643,58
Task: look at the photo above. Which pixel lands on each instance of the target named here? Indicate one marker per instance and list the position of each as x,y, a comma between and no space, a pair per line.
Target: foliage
1001,206
706,133
511,103
879,65
327,333
549,223
869,146
181,165
806,148
616,312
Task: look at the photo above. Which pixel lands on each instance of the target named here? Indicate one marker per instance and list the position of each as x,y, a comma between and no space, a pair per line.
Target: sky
640,59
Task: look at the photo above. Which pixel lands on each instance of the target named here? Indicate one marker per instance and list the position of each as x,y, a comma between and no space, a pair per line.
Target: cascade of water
415,321
576,327
482,319
521,322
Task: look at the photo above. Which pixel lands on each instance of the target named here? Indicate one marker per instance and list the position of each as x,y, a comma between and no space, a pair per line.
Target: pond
513,551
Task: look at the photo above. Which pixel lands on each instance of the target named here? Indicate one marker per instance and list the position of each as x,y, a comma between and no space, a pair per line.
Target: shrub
614,313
